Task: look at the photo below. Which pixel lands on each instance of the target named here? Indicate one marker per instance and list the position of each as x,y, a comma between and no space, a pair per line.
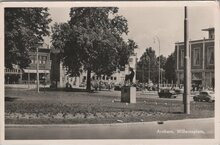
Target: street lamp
147,58
38,89
38,81
161,75
142,73
148,70
159,60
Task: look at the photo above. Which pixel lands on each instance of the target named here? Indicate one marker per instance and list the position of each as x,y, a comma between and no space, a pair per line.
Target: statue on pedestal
129,77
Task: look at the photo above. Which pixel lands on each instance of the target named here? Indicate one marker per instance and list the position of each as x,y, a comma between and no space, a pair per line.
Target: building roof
194,41
204,39
209,29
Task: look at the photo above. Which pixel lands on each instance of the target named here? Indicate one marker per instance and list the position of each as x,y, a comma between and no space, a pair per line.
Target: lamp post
161,75
142,72
187,66
38,89
37,55
28,79
159,61
148,58
148,70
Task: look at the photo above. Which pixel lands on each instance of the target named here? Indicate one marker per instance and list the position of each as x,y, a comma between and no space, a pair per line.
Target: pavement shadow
10,99
178,112
66,90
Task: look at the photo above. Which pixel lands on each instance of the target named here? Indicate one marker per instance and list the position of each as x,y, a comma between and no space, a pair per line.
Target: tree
148,65
162,62
124,52
94,41
170,68
24,29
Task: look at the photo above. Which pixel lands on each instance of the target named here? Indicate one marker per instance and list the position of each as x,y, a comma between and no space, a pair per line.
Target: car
167,93
82,85
117,87
205,95
179,91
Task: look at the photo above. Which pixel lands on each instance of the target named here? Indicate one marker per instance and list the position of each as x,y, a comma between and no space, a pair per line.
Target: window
212,35
39,59
210,56
115,78
111,78
196,56
43,58
181,57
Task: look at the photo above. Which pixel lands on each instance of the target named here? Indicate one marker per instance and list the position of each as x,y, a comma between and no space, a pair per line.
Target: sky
165,23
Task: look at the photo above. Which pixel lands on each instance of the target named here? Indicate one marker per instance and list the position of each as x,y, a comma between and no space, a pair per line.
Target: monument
128,91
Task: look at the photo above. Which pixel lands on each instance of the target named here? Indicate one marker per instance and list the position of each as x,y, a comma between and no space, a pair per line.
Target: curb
101,125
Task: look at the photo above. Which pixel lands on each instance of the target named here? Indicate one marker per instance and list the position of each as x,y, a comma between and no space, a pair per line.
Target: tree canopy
163,60
149,65
24,29
92,41
170,68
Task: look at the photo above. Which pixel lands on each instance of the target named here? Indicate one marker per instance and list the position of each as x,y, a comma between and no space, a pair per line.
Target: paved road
182,129
154,95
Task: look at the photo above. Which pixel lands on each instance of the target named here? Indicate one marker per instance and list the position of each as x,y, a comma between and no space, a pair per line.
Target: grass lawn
29,107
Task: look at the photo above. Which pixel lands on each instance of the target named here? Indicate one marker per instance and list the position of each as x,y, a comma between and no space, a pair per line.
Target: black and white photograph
110,71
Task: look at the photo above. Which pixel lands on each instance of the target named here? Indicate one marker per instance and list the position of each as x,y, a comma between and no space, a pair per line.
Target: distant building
29,74
202,61
117,77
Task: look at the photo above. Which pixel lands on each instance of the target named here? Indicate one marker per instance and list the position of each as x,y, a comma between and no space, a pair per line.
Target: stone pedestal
128,94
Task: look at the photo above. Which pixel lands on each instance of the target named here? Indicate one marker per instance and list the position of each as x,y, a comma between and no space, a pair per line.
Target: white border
215,6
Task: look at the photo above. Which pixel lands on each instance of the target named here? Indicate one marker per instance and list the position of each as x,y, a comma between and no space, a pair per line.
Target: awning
35,71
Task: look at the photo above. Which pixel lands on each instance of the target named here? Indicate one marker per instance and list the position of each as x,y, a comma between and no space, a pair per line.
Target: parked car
167,93
179,91
117,87
138,88
205,95
82,85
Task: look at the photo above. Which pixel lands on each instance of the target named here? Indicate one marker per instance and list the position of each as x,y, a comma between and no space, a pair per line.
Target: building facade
202,61
29,74
117,77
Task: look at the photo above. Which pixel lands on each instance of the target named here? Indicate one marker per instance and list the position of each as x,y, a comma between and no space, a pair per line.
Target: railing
13,71
32,82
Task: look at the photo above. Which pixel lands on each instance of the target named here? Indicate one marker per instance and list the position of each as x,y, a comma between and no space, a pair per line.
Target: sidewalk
24,86
173,129
112,124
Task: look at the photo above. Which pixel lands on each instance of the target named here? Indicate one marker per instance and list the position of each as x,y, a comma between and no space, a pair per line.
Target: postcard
110,72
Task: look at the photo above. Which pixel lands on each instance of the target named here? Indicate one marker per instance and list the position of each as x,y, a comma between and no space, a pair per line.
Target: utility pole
159,62
187,66
38,90
142,73
28,79
148,69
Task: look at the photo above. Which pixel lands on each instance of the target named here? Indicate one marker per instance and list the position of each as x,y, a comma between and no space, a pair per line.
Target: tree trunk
88,81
